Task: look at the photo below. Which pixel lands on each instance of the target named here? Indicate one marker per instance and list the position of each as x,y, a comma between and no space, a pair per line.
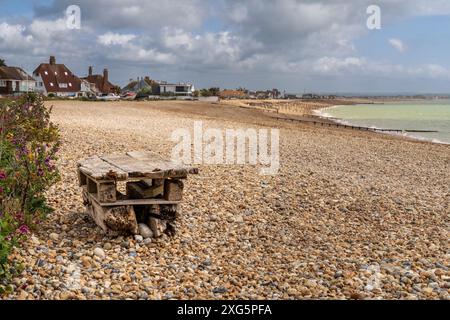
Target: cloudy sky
293,45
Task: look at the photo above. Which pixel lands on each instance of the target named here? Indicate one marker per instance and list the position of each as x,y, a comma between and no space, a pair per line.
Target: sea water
433,115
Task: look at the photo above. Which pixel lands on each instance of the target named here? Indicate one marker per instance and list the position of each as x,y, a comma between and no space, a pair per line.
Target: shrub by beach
29,144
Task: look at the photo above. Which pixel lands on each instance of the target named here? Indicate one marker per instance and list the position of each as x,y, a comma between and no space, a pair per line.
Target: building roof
137,85
14,73
101,84
58,74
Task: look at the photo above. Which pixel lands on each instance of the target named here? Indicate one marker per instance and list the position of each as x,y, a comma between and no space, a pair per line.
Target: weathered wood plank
98,169
107,192
140,202
151,169
134,165
157,226
115,220
156,159
173,190
137,190
82,178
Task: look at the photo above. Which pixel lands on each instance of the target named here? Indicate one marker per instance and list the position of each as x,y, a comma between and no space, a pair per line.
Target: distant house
309,96
159,87
99,84
15,81
275,94
142,84
57,79
180,89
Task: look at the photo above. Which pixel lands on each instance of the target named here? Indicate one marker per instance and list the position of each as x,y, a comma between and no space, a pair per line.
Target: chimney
105,75
90,71
52,60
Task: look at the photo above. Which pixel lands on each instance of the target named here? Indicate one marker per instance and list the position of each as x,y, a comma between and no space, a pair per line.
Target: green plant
29,144
211,92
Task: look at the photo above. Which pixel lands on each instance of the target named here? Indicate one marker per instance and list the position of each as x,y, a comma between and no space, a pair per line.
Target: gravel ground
351,215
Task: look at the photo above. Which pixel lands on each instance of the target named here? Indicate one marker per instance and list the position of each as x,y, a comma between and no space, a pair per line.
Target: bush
211,92
144,93
29,144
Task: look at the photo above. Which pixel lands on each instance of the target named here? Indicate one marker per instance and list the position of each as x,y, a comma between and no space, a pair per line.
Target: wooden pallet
154,191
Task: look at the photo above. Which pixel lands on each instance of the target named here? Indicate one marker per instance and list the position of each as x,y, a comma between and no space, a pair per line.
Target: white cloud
110,39
249,38
117,14
332,65
13,37
178,39
398,45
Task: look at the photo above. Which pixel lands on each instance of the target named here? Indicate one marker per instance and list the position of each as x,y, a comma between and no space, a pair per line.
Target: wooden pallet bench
154,191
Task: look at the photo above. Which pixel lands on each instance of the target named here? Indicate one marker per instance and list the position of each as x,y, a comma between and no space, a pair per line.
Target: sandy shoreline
351,215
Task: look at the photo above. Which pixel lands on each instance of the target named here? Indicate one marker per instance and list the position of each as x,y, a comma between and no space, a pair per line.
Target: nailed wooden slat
173,190
157,160
139,190
135,168
154,160
133,165
98,169
151,168
139,202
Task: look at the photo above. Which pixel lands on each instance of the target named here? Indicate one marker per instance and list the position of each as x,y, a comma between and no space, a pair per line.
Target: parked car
108,97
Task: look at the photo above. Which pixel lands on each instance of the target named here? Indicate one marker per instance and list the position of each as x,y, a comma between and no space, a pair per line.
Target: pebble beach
351,215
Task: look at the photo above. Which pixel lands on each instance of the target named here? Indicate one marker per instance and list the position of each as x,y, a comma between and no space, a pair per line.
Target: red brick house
57,79
100,83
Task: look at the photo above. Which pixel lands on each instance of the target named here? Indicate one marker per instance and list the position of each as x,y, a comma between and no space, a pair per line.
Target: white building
180,89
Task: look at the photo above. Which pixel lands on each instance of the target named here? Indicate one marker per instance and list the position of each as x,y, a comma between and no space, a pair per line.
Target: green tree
214,91
2,63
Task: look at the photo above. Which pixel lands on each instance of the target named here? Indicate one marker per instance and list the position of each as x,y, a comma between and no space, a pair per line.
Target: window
2,83
40,84
56,73
70,84
51,84
63,85
46,73
66,73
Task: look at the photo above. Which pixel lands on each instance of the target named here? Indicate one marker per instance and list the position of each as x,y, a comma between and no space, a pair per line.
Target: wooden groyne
345,126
